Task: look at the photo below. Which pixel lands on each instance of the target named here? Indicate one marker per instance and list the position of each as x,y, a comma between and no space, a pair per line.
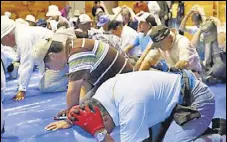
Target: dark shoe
210,80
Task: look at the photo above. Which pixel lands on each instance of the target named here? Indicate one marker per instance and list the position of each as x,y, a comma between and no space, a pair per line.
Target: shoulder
182,39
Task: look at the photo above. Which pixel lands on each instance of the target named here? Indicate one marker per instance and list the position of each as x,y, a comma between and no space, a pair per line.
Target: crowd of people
121,69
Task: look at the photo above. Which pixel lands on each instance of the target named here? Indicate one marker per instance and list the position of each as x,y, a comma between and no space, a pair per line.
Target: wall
109,5
20,9
77,5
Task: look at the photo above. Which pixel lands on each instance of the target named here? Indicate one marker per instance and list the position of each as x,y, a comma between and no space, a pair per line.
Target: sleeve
133,123
153,54
136,41
26,64
184,52
80,65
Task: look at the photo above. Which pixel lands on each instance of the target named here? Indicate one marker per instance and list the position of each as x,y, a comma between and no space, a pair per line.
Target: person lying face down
137,108
90,61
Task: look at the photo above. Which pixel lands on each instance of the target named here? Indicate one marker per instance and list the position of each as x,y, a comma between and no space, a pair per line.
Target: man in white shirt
126,35
54,14
174,48
137,108
23,37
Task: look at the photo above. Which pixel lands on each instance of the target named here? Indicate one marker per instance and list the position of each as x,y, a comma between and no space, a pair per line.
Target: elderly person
53,13
13,35
215,58
106,36
197,15
172,47
84,27
90,61
31,20
133,108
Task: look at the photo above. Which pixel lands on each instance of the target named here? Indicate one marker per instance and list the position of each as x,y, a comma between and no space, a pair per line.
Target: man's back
158,90
139,100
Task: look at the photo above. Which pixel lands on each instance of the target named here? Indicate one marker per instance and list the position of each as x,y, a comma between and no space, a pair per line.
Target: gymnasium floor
25,120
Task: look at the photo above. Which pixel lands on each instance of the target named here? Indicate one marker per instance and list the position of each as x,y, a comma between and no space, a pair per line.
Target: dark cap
158,33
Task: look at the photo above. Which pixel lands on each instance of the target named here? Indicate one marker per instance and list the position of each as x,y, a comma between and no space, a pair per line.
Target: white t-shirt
136,108
181,50
154,8
191,29
26,37
128,35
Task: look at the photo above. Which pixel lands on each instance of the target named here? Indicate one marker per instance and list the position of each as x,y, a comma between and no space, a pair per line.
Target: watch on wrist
101,135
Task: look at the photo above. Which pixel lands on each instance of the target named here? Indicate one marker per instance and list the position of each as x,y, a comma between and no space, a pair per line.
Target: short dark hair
55,47
114,24
151,20
97,2
197,17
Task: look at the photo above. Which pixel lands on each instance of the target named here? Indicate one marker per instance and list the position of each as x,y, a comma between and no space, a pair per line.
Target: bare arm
196,39
184,21
108,138
73,93
139,62
128,48
182,64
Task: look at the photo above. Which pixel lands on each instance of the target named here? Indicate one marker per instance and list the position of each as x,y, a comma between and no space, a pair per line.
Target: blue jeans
203,100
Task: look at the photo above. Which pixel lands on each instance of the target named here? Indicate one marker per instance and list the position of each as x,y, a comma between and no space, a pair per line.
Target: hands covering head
87,116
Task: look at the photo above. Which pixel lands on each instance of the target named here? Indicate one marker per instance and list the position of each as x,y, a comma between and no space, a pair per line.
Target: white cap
42,46
53,11
76,13
7,25
8,14
30,18
84,18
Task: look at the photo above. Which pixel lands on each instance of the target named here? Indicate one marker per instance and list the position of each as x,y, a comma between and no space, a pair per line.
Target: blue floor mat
25,120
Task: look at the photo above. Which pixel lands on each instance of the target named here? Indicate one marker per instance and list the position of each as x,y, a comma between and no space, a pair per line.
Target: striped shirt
96,62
